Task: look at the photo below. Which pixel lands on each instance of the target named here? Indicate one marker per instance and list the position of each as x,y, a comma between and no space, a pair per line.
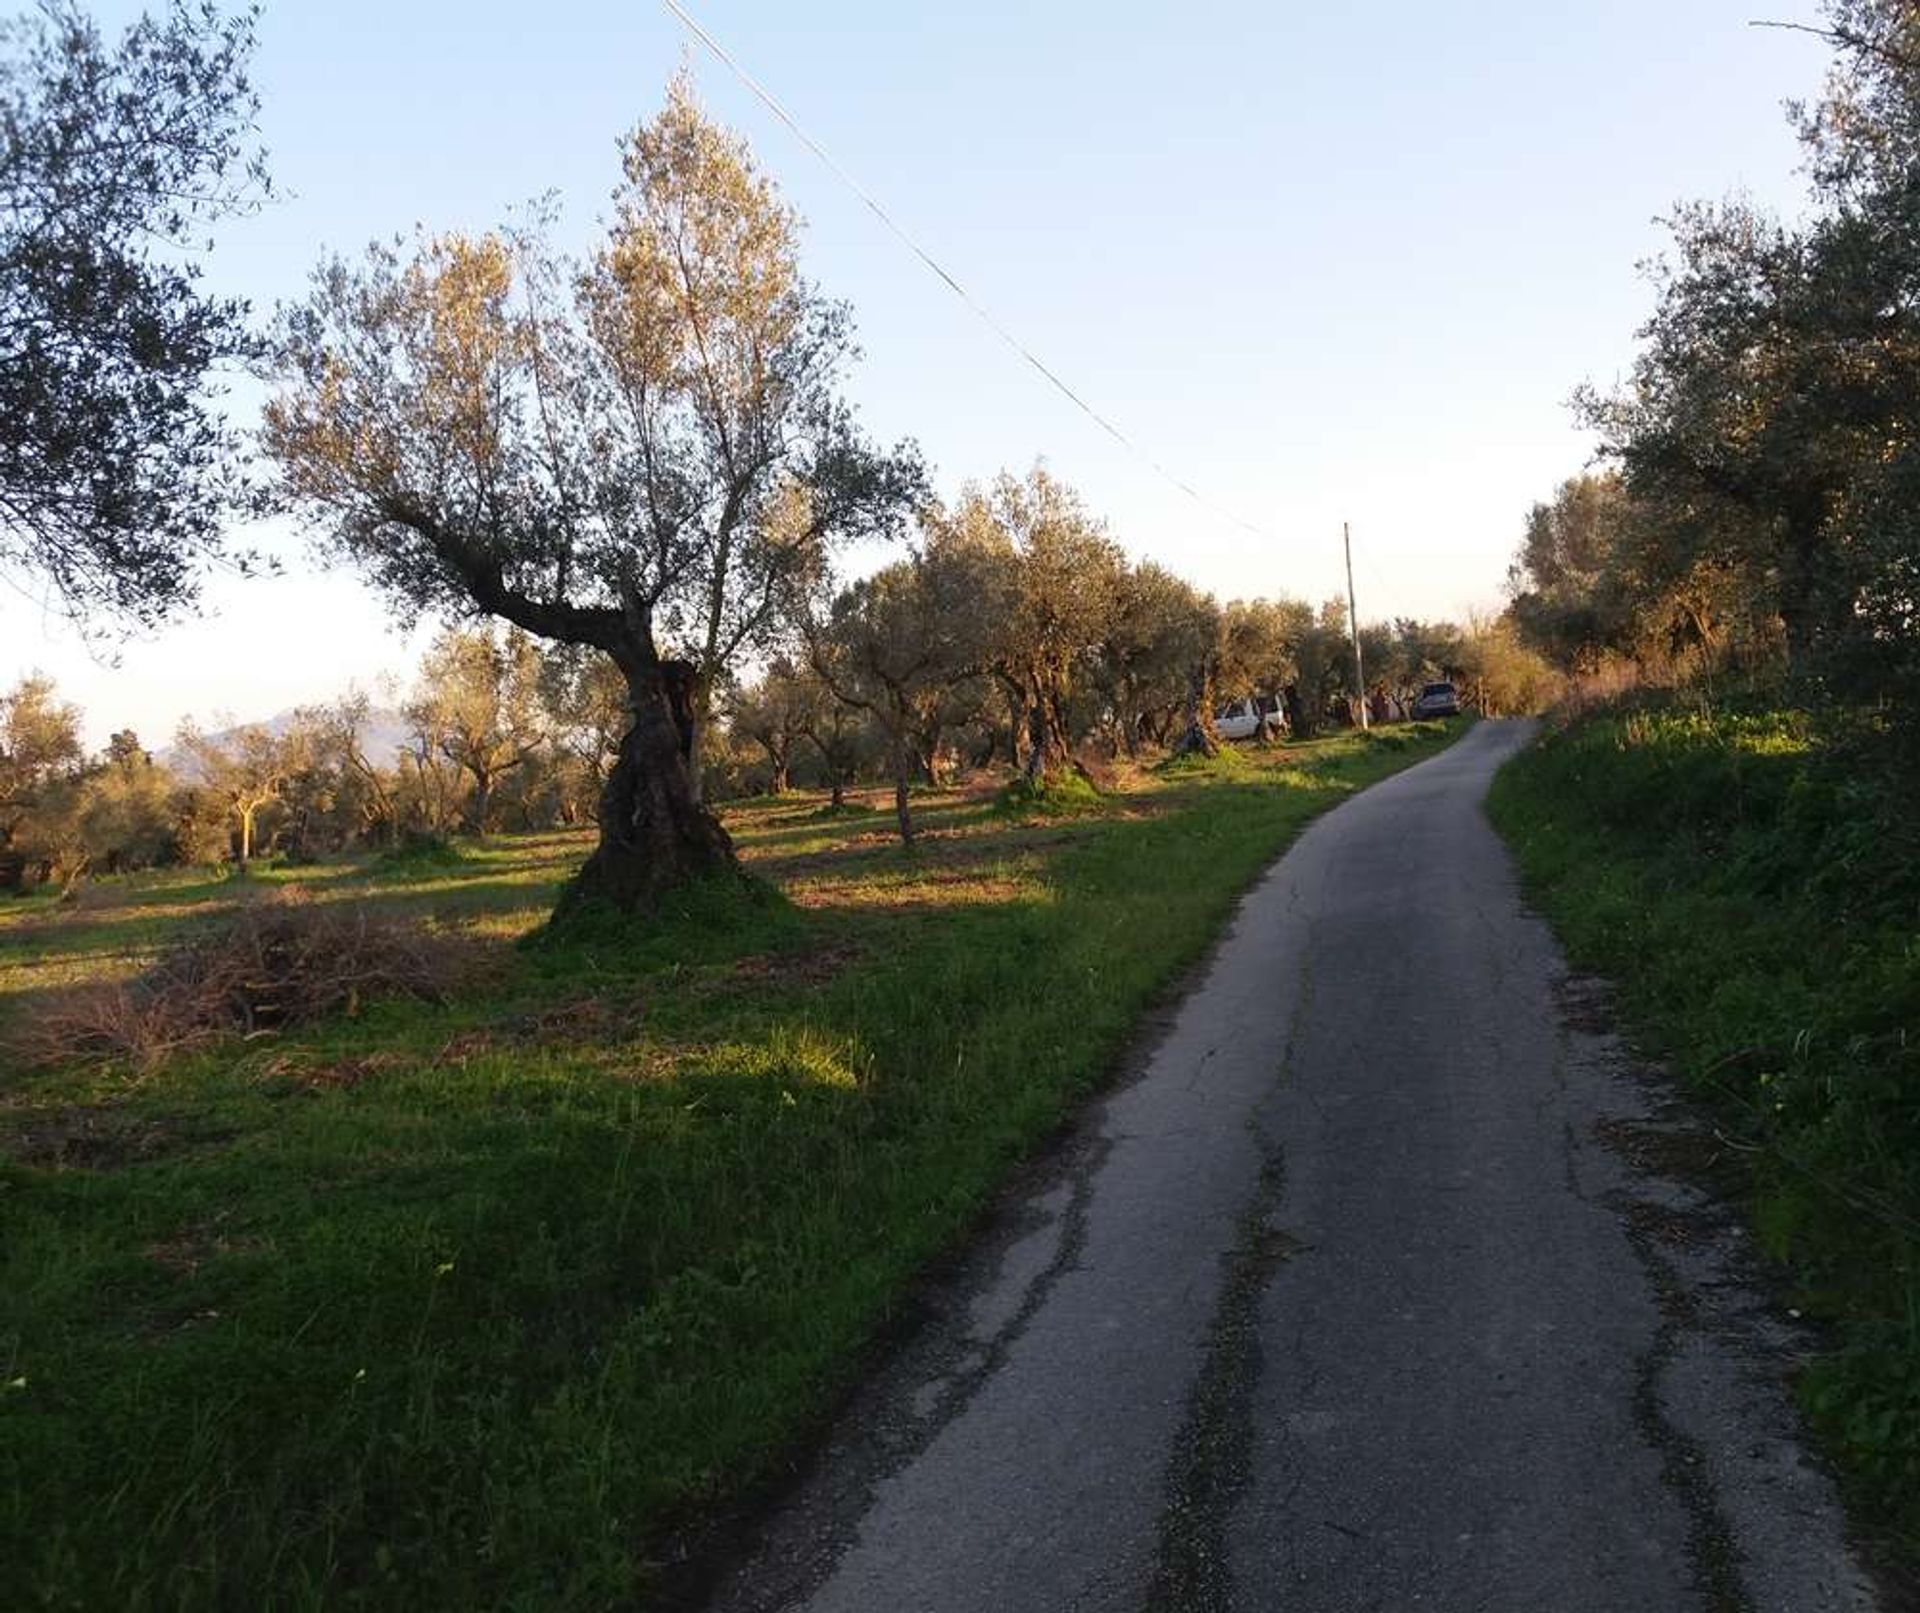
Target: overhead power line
985,315
1385,589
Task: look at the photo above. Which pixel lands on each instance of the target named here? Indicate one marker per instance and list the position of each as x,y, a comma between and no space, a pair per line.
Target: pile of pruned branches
277,963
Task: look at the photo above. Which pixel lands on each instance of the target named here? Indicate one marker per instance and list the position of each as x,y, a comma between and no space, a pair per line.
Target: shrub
418,856
1065,791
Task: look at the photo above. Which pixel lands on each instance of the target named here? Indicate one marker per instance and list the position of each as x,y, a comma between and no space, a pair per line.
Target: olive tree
248,771
117,467
641,454
1145,662
478,697
772,713
1045,584
890,644
40,758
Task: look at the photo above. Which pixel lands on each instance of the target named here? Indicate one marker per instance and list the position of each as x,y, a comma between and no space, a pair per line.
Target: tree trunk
1048,749
246,837
1022,704
837,772
482,800
695,710
779,766
1302,717
902,782
656,834
1799,580
930,759
1199,738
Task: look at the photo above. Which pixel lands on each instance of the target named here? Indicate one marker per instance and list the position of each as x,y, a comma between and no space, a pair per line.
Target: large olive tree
641,454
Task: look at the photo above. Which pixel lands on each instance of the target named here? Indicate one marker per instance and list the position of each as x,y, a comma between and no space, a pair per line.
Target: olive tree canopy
644,453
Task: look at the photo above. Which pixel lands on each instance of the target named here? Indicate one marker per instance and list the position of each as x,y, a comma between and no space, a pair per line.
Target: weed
418,856
1228,761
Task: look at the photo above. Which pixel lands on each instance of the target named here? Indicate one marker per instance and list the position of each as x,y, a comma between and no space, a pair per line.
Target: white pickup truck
1259,716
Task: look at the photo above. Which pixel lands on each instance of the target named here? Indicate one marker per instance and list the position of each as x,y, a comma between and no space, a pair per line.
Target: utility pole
1353,627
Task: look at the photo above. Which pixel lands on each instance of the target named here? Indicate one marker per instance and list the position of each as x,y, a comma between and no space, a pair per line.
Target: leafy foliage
1766,436
645,454
117,469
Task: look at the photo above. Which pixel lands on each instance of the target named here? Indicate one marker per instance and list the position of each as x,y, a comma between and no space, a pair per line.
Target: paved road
1366,1292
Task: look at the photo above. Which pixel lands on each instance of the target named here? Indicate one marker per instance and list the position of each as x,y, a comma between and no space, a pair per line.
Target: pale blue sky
1325,264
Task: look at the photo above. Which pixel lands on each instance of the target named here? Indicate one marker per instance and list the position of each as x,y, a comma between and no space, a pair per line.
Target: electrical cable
981,312
1387,592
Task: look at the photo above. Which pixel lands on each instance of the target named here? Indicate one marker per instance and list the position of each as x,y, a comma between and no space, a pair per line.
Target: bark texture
656,834
1198,738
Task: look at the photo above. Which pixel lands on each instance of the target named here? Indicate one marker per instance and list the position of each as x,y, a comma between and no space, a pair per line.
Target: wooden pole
1353,627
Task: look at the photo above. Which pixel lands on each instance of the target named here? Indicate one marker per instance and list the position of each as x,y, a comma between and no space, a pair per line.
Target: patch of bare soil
1683,1151
793,968
186,1250
94,1138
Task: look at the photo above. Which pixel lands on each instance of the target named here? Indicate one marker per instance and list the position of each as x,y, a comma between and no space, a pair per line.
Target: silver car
1437,700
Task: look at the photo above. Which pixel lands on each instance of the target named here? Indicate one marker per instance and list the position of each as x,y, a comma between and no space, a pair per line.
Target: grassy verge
472,1305
1754,890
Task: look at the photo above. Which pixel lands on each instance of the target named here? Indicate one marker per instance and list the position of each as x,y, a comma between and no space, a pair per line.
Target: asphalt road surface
1386,1282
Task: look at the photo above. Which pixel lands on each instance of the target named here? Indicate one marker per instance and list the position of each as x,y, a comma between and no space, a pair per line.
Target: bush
418,856
1228,761
279,962
1066,791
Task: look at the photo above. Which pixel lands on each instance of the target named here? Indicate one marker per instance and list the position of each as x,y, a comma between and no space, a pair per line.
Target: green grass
1754,890
477,1305
1064,794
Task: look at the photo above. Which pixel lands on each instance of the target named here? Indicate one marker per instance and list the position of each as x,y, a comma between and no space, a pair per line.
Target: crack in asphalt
991,1354
1212,1456
1711,1552
1709,1539
950,1355
1211,1460
1683,1466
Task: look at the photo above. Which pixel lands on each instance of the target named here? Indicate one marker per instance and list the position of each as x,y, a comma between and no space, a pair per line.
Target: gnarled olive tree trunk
656,834
1199,737
1049,745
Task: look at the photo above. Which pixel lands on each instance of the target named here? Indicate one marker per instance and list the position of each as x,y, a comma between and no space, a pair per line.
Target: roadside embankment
1750,883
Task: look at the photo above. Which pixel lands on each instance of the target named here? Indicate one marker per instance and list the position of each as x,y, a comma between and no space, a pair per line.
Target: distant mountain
383,736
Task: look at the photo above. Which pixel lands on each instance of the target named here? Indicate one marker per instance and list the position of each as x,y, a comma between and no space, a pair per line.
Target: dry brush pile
278,962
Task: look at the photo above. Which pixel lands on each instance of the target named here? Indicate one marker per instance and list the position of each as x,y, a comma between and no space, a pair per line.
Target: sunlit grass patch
1063,793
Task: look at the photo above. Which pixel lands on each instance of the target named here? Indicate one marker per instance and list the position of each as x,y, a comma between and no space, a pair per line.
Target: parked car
1257,716
1437,700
